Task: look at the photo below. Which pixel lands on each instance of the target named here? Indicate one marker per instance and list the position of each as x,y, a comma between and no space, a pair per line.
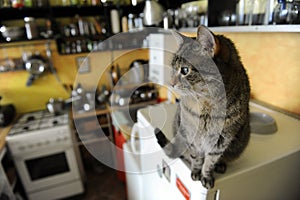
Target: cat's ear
178,37
208,40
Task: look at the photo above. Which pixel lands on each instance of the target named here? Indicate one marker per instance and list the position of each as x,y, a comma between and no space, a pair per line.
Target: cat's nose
173,81
171,84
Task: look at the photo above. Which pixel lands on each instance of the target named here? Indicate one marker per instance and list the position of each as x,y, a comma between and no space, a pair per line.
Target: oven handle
45,151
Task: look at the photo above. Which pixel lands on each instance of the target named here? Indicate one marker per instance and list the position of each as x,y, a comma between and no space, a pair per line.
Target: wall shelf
4,44
65,11
255,28
20,13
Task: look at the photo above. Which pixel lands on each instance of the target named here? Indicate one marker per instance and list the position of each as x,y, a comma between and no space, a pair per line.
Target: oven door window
47,166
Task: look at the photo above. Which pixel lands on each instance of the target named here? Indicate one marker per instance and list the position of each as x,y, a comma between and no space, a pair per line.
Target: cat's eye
184,70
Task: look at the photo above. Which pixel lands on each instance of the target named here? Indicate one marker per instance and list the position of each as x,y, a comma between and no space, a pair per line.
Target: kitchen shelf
20,13
24,42
55,12
254,28
65,11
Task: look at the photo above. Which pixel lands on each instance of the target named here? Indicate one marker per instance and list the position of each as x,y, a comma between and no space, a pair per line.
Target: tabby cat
212,119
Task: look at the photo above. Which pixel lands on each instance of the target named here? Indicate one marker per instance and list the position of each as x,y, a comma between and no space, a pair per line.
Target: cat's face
190,67
193,67
185,76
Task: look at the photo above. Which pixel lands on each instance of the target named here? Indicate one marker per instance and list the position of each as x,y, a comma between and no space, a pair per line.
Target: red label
184,191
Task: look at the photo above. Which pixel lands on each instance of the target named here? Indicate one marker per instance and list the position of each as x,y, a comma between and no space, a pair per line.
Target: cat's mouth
180,89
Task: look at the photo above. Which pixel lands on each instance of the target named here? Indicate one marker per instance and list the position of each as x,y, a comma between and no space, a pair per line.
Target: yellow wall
273,65
101,65
13,87
271,59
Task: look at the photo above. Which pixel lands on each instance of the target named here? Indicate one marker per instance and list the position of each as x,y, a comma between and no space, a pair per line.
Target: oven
45,157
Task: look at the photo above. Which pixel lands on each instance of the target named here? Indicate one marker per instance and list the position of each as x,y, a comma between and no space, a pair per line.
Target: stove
47,161
38,120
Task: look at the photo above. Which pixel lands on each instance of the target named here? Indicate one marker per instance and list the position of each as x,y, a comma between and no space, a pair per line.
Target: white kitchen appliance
268,169
46,159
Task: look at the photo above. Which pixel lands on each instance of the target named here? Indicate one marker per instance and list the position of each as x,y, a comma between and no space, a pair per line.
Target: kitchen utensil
82,99
262,123
35,65
153,13
226,18
194,8
58,105
103,95
7,64
137,71
31,28
12,33
55,106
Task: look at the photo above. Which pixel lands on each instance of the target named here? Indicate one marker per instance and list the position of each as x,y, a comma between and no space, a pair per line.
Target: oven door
48,167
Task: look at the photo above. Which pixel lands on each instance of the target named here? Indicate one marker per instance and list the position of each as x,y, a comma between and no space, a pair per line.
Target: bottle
115,21
42,3
17,3
31,28
73,2
65,2
28,3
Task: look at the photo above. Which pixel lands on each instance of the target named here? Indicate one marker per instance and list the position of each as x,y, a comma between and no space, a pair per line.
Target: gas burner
24,128
33,116
30,118
37,121
54,121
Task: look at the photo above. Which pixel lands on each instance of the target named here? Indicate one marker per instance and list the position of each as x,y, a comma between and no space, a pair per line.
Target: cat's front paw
208,181
196,175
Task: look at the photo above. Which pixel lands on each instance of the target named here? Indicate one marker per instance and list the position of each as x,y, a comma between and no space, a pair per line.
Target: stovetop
38,120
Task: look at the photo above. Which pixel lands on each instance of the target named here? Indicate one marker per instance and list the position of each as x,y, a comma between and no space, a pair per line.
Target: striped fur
212,120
